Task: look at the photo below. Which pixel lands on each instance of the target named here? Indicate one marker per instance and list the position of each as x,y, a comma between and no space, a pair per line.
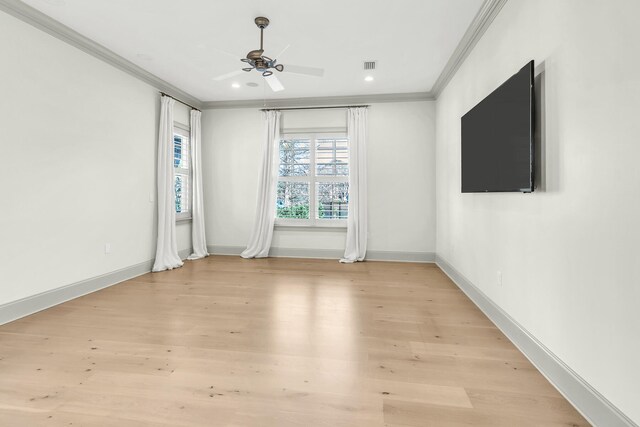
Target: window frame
185,132
312,179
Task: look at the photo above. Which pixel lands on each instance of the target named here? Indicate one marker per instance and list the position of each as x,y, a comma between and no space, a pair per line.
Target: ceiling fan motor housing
255,54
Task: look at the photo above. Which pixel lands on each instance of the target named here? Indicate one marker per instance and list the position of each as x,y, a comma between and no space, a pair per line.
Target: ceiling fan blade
307,71
224,52
274,83
278,56
228,75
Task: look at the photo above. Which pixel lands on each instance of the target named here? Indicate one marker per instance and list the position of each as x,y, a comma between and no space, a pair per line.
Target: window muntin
313,183
182,173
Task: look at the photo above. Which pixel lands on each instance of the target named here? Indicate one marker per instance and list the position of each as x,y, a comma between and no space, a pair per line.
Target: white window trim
312,179
185,131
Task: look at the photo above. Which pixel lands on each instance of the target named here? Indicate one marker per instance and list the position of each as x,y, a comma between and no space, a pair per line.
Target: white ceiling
188,43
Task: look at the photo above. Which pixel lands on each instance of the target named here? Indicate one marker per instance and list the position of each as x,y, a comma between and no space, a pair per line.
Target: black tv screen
497,138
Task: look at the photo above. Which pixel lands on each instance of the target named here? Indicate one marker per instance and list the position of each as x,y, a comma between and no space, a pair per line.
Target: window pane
181,172
293,200
294,157
180,152
332,157
181,186
333,200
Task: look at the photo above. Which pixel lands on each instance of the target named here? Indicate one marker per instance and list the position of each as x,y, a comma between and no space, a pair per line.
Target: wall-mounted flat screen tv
497,139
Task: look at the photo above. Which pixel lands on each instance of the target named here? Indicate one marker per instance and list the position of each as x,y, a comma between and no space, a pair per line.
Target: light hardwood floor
272,342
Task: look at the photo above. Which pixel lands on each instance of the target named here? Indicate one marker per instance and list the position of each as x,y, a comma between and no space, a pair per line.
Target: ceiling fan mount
261,22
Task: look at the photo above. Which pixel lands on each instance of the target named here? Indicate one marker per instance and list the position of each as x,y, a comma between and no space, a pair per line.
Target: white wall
400,167
569,254
78,148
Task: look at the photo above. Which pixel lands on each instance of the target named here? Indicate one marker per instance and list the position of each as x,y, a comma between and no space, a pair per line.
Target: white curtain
260,239
356,246
197,210
167,249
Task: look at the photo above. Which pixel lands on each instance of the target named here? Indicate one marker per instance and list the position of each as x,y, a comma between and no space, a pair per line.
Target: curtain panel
167,256
356,244
260,239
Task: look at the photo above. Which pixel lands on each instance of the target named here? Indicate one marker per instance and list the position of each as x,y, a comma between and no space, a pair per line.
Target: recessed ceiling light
235,85
368,79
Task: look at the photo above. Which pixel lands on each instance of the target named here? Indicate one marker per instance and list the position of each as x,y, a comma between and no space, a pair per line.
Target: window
182,172
313,183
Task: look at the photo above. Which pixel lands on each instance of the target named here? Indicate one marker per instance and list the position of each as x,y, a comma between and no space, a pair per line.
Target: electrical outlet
499,278
107,248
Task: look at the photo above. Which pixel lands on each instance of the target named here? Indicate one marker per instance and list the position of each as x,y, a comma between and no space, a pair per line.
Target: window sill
308,227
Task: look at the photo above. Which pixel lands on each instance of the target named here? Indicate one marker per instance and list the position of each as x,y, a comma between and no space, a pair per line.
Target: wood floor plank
272,342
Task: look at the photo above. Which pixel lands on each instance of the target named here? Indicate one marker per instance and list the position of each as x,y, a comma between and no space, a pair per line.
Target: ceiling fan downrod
262,23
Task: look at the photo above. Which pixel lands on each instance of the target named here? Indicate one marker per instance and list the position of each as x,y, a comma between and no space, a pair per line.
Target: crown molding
319,101
34,17
485,16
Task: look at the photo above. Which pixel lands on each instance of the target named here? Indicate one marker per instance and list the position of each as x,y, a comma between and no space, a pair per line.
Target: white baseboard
24,307
401,256
15,310
184,253
329,254
587,400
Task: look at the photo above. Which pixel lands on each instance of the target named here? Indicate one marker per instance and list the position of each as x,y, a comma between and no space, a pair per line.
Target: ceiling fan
258,62
266,66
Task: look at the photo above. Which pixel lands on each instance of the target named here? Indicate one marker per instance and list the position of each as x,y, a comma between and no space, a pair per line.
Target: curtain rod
313,108
181,102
